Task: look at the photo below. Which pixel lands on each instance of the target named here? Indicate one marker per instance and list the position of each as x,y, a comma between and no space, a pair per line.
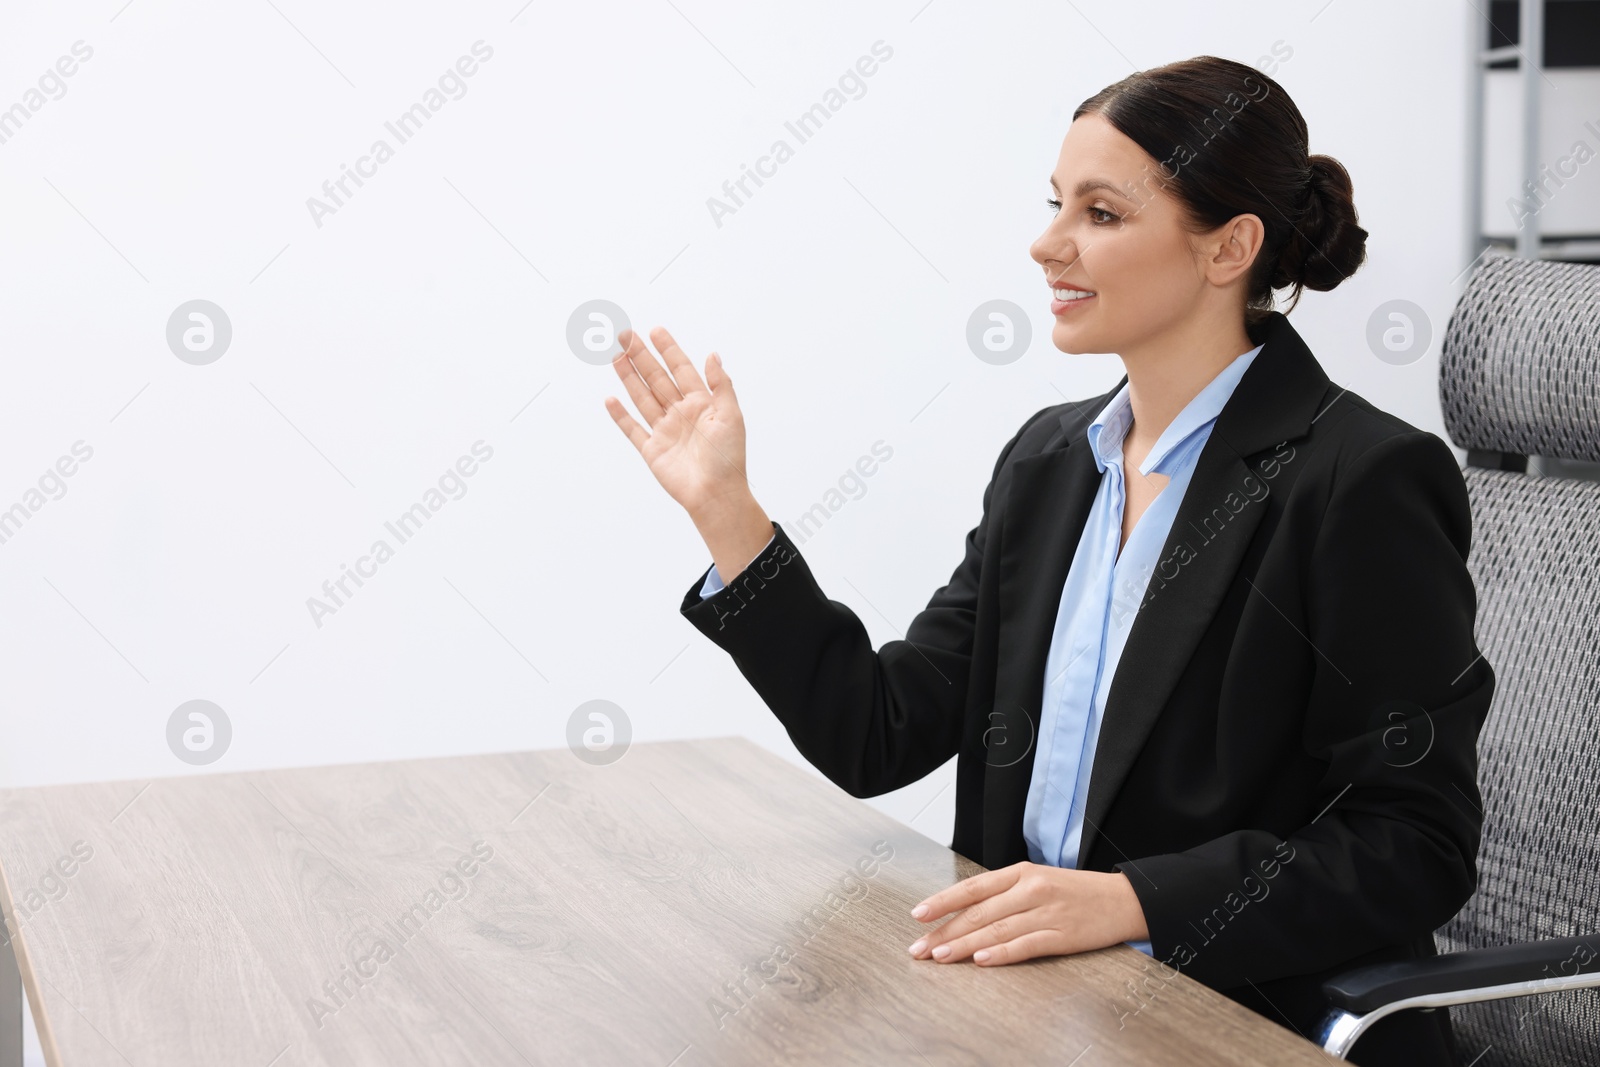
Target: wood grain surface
695,902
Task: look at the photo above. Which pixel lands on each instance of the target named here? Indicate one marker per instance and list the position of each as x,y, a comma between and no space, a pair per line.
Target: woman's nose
1050,248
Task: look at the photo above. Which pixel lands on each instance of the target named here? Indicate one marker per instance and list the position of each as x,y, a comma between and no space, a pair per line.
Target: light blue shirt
713,582
1098,605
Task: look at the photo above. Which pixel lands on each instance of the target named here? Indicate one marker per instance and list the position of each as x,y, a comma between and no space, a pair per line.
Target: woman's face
1115,234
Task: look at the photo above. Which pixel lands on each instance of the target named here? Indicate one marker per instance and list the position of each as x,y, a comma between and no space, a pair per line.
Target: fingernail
982,955
941,952
918,947
919,911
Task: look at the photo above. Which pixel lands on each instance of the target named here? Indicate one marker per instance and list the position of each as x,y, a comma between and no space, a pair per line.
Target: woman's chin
1072,338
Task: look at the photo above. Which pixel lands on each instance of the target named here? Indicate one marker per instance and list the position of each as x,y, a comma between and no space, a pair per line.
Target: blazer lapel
1048,505
1275,401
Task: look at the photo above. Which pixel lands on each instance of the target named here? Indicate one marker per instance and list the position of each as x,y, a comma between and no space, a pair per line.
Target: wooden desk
693,903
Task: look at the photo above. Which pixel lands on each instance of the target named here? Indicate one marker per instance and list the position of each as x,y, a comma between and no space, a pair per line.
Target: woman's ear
1232,248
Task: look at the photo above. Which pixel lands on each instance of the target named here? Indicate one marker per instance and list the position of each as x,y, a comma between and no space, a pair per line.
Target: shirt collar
1110,427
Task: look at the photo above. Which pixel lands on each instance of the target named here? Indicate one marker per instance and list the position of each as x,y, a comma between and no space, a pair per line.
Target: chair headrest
1520,367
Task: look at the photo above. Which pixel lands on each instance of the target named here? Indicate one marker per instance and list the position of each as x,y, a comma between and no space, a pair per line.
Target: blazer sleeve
870,721
1398,696
712,583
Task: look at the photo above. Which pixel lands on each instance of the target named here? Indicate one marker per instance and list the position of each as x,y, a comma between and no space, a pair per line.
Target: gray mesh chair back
1520,376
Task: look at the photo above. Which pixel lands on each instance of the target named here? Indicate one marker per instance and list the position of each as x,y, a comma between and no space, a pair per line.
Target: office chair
1519,376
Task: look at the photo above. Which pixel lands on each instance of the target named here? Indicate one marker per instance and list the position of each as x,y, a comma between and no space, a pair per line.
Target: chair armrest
1366,989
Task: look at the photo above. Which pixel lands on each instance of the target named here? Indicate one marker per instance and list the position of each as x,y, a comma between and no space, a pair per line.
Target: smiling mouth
1065,300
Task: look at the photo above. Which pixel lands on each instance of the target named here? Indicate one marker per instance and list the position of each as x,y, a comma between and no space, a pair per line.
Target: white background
427,312
371,352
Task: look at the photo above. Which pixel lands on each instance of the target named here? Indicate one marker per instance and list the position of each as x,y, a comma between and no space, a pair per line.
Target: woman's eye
1098,215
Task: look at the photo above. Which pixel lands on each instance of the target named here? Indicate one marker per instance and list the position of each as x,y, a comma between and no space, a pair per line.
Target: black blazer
1286,769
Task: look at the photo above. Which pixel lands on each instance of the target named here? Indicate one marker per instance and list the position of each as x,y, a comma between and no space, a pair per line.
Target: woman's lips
1061,307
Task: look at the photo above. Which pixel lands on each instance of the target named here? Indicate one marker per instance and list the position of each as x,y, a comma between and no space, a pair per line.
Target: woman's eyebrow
1089,185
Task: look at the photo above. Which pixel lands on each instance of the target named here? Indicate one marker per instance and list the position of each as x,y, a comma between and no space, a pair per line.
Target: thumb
717,379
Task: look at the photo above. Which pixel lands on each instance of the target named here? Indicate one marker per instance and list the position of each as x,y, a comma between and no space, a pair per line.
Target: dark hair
1231,142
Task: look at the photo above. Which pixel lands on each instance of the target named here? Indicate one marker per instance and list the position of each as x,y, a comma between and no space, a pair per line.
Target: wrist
735,529
731,509
1129,909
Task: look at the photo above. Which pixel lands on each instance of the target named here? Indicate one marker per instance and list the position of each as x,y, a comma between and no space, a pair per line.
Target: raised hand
694,445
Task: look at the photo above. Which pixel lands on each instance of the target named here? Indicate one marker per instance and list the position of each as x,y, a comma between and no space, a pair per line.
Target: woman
1232,590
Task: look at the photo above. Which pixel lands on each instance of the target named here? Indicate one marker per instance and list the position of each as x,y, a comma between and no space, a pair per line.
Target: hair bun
1254,163
1326,245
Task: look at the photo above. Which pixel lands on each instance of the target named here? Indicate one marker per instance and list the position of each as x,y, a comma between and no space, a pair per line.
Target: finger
682,367
1030,945
967,892
636,434
988,937
995,909
638,391
721,385
666,390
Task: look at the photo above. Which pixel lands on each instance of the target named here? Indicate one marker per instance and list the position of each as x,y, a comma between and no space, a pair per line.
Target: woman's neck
1165,373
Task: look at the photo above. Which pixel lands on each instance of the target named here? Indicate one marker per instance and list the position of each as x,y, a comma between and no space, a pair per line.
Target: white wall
1569,131
368,354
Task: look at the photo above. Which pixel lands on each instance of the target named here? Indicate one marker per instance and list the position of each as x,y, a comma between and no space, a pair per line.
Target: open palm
695,442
